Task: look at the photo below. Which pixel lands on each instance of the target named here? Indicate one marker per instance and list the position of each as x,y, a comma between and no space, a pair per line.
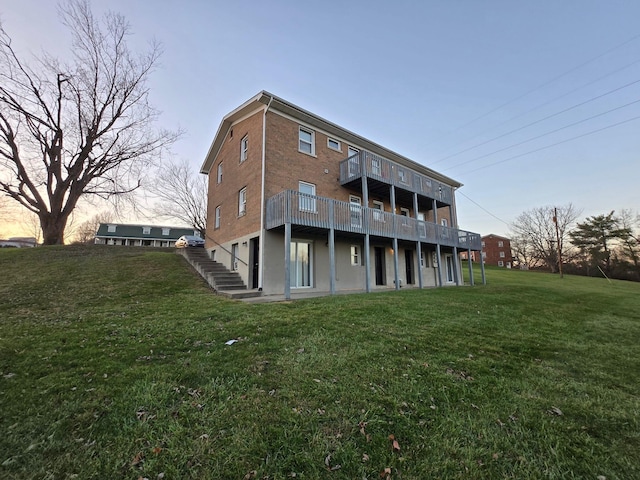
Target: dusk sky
527,103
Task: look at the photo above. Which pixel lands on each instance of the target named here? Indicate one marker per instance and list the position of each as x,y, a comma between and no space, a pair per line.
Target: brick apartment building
496,250
298,203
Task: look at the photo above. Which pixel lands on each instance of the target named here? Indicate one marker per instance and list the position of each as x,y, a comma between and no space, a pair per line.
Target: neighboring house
296,202
140,235
19,242
496,250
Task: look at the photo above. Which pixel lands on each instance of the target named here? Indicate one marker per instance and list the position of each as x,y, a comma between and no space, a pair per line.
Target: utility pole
555,220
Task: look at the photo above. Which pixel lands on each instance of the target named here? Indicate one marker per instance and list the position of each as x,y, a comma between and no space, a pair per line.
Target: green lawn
113,364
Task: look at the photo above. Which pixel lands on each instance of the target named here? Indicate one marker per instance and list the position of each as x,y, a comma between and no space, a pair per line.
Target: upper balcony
372,166
323,213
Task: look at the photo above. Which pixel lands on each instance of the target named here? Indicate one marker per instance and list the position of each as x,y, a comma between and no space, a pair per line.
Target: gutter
262,196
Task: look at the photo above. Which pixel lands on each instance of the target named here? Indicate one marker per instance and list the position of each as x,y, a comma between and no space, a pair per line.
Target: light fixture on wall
244,244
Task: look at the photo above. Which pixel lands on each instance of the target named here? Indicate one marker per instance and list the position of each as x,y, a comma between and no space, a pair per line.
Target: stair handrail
209,237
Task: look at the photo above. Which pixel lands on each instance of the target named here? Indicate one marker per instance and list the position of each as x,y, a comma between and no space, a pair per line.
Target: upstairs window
500,244
165,231
306,141
244,148
216,223
146,230
219,178
333,144
242,202
111,228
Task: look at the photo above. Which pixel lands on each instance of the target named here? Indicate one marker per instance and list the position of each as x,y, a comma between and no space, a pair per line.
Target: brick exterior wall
287,166
492,250
235,176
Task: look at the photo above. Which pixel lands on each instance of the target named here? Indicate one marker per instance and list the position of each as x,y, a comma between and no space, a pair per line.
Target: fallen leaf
394,442
138,459
250,475
365,457
386,474
555,411
495,456
327,462
157,450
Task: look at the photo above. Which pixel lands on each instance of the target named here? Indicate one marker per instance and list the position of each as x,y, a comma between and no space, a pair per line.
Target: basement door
300,267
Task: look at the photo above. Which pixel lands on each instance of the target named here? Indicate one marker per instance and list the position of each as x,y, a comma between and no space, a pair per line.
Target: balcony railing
386,171
297,208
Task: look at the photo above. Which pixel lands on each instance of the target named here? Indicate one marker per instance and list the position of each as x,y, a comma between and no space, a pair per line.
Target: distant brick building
496,250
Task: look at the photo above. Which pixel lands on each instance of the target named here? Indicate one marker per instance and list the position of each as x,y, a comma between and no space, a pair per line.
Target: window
500,263
405,213
334,144
379,207
354,162
423,259
444,222
146,230
216,223
234,257
402,175
306,141
111,228
376,168
501,254
355,255
483,245
242,202
307,201
500,243
165,231
244,148
220,172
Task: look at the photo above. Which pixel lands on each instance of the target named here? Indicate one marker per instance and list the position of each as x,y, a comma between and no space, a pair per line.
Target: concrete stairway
223,281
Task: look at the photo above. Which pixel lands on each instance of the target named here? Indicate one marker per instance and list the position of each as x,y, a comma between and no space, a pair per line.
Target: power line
511,119
543,135
544,84
556,143
484,209
541,120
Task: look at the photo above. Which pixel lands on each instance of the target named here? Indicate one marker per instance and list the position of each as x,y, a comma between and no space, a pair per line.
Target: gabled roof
493,235
136,231
265,99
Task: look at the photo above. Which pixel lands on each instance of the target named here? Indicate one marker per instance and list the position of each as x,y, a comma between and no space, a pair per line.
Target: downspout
263,200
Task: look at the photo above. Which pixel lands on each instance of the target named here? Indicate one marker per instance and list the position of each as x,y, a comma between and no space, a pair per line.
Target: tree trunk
53,226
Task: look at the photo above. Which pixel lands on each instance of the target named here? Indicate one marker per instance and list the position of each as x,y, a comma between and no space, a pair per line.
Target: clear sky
527,103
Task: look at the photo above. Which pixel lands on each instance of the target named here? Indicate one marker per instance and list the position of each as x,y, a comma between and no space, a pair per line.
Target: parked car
189,241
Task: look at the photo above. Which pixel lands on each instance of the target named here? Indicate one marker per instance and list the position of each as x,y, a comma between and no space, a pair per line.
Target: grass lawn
113,364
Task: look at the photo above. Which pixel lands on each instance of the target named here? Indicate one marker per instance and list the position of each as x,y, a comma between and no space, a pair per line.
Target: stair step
219,277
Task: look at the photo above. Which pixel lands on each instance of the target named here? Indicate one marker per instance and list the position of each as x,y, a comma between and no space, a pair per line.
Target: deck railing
386,171
320,212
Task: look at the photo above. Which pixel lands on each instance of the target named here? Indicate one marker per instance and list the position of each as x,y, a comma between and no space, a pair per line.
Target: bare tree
524,252
86,231
538,229
78,129
181,194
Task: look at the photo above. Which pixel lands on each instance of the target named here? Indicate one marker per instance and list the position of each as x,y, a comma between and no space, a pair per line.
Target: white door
356,211
450,268
300,266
